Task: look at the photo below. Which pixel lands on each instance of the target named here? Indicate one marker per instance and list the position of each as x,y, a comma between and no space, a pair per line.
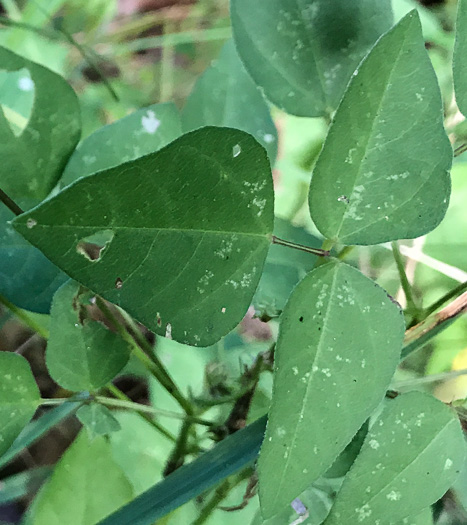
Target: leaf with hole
225,95
140,133
193,220
383,173
410,458
339,344
303,53
86,485
39,128
82,354
460,51
19,397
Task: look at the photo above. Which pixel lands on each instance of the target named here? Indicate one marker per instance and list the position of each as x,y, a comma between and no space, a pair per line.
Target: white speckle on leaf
30,223
236,150
25,84
295,371
363,512
281,432
343,198
326,372
168,331
448,464
150,123
350,154
393,496
223,310
268,138
374,444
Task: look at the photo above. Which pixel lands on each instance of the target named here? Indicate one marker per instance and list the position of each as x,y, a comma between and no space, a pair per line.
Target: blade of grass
16,487
188,482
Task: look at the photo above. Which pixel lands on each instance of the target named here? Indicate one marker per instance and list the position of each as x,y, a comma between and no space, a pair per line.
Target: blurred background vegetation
122,55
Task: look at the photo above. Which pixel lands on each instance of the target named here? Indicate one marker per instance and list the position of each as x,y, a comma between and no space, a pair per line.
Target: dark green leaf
98,420
225,95
81,353
144,131
383,171
193,220
86,485
303,53
411,456
19,397
338,347
23,484
460,52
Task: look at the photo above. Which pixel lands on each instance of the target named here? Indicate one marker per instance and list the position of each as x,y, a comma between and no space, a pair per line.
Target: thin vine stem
460,149
308,249
24,317
462,287
149,359
411,305
10,203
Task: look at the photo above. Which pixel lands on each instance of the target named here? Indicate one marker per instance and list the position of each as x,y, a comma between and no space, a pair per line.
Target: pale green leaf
225,95
193,220
303,52
140,133
19,397
98,420
81,353
338,347
459,61
383,171
86,486
410,458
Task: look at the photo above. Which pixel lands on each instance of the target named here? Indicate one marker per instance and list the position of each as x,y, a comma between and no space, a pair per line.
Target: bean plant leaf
193,220
19,397
303,53
411,456
98,420
460,52
225,95
336,327
81,353
143,132
376,179
86,486
39,128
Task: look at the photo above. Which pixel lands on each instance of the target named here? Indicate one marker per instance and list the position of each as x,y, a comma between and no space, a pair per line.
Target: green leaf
383,171
193,220
23,484
225,95
303,53
81,353
339,344
19,397
144,131
411,456
191,480
86,486
98,420
460,52
32,162
40,426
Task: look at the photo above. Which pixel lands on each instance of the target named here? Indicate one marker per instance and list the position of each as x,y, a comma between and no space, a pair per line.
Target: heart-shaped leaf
338,347
140,133
81,353
98,420
303,53
225,95
192,221
411,456
19,397
376,180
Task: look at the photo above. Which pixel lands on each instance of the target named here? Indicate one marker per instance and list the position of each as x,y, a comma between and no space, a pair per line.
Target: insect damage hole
93,246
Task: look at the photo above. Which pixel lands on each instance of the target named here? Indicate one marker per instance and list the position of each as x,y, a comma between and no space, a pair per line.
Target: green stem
177,457
167,66
24,317
10,203
150,360
313,251
432,378
411,305
327,246
155,424
460,149
344,252
462,287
